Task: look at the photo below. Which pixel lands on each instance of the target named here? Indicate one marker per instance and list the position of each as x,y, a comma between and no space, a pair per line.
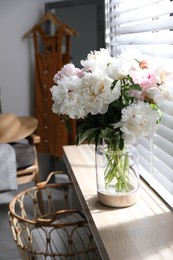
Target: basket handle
49,221
41,185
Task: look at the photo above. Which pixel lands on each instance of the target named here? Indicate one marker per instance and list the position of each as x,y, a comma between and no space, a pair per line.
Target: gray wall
77,18
16,54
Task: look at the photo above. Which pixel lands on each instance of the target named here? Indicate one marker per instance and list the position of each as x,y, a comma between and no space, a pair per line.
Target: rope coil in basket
50,228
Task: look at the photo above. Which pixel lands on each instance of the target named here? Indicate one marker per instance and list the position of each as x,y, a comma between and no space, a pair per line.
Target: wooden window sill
142,231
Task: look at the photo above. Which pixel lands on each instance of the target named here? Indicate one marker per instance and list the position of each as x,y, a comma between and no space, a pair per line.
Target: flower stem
117,169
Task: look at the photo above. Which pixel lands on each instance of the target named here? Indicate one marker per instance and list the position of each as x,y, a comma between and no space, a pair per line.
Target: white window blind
148,26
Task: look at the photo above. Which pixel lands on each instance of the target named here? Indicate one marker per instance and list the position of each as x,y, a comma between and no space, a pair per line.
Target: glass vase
117,174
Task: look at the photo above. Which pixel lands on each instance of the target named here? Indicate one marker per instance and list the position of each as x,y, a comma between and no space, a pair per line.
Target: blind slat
145,26
166,37
164,144
167,107
167,174
165,132
166,183
167,160
125,6
156,185
155,10
167,120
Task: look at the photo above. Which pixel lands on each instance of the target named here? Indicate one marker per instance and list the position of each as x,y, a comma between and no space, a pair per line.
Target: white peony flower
138,119
97,92
97,59
67,98
118,69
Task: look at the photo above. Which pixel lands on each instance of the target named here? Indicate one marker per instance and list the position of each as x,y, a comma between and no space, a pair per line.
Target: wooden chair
30,173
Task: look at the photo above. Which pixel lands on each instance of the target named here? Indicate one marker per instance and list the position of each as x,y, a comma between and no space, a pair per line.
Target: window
148,26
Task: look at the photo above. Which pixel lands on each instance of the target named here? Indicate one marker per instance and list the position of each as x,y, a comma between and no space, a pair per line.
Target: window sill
142,231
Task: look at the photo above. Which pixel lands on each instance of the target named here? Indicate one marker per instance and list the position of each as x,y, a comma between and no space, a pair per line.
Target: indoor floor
8,248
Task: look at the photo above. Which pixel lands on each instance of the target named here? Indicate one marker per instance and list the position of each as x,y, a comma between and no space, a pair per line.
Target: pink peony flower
68,70
145,78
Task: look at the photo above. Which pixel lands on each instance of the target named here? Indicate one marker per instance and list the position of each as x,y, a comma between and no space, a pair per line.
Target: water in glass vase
117,175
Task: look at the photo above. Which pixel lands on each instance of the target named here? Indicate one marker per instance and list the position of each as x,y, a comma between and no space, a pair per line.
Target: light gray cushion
25,155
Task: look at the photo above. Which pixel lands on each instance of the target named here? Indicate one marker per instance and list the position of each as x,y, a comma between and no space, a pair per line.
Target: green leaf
92,136
121,144
67,125
114,84
88,134
135,87
107,132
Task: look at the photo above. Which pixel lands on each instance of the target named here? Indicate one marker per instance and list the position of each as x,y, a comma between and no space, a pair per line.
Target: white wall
17,55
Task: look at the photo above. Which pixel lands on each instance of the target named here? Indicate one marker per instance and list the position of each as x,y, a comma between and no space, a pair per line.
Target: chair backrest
30,172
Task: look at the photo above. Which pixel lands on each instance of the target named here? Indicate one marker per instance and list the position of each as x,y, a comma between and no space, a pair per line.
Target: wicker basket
45,226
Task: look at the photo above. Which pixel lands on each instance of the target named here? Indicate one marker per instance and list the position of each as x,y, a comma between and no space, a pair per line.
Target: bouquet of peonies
117,97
